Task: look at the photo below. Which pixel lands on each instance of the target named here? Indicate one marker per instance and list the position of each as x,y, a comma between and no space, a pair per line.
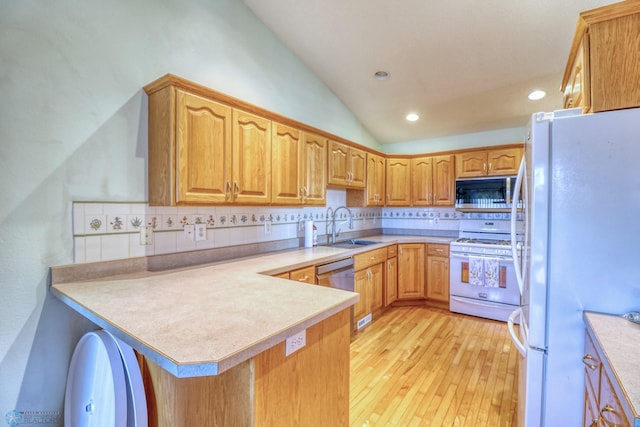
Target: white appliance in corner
582,203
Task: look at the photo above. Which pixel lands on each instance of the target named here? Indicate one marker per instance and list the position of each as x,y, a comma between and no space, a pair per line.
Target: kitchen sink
354,243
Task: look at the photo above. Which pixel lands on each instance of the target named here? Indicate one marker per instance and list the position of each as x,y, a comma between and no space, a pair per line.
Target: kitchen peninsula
212,338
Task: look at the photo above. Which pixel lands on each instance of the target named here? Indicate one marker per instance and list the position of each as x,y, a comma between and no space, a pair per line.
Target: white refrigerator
581,185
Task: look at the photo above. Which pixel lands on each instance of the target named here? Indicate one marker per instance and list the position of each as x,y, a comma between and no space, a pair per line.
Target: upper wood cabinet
603,68
314,169
376,166
347,165
204,152
495,162
251,169
398,182
433,181
299,166
201,149
286,171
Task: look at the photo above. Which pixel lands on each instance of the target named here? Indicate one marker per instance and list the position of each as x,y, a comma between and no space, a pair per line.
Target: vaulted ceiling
462,66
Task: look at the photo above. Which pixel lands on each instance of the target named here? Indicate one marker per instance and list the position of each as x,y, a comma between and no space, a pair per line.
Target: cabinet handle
489,166
388,197
484,167
227,193
305,278
609,408
589,365
236,188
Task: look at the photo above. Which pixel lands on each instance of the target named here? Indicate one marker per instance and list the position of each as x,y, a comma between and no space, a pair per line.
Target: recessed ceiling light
381,75
537,94
412,117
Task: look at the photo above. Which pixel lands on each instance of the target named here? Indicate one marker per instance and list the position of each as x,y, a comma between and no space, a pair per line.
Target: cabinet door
338,164
361,286
286,176
444,183
472,164
203,143
421,181
614,54
376,278
411,260
314,169
251,158
375,180
438,278
398,182
357,168
391,281
504,162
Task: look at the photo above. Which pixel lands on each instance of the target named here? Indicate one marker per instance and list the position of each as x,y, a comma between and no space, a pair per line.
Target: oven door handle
514,219
466,256
515,315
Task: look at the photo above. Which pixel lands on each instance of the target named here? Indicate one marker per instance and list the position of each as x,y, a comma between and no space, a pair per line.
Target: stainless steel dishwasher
338,274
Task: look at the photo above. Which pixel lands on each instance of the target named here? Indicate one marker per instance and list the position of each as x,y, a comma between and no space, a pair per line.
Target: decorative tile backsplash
106,231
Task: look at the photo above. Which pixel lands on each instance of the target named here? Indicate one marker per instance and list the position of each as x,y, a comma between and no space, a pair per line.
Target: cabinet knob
609,409
586,359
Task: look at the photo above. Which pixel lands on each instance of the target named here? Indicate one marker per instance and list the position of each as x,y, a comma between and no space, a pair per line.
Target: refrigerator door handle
514,219
517,314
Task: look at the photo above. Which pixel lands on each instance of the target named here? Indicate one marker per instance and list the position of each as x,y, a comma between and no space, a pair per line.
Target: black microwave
487,193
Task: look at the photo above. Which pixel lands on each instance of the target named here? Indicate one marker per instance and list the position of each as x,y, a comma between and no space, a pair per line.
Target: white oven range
482,275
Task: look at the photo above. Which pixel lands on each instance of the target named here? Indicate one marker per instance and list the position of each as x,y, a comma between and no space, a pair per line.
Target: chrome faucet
334,213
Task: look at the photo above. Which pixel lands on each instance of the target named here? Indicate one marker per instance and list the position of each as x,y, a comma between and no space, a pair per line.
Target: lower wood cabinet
438,273
603,406
391,276
368,283
411,277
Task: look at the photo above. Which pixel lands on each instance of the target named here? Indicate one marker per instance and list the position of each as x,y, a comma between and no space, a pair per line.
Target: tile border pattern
104,231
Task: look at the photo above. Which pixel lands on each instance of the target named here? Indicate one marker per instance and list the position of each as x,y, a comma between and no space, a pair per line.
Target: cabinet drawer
392,251
305,275
592,363
610,408
367,259
437,249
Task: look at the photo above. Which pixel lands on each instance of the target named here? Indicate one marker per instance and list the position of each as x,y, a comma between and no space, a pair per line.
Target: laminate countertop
203,320
618,339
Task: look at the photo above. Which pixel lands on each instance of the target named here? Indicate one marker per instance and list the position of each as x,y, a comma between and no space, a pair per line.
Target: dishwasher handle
334,266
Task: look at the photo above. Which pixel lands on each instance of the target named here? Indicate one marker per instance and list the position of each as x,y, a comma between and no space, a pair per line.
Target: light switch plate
146,235
189,232
201,232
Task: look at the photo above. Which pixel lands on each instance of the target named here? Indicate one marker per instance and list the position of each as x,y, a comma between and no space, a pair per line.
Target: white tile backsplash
106,231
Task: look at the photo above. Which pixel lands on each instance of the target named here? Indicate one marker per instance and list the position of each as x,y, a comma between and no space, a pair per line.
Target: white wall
73,127
458,142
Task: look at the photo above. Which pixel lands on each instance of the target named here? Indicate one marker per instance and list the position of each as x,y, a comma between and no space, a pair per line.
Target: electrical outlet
267,227
201,232
189,232
295,342
146,235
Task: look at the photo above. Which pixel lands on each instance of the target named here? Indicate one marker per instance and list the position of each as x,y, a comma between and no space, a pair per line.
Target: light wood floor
418,366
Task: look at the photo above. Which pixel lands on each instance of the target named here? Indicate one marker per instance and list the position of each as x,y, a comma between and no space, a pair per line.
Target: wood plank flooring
418,366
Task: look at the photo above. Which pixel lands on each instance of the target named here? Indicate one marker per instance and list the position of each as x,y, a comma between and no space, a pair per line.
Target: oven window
485,277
